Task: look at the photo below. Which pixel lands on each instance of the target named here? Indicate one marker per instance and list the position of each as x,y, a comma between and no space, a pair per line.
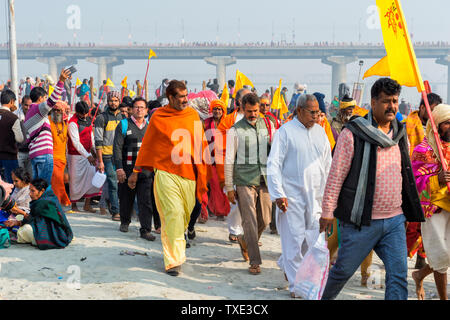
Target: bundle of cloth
200,102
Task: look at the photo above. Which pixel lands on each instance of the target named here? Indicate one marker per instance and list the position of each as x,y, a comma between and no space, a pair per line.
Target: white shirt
75,137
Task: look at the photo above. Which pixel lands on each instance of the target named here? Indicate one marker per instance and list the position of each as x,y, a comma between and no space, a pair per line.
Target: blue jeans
111,179
6,167
388,238
43,167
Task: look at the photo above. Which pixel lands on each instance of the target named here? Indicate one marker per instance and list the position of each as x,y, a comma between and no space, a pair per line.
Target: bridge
106,57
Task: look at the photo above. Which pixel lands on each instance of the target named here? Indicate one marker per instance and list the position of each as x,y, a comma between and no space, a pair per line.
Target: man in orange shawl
234,218
415,129
59,133
175,147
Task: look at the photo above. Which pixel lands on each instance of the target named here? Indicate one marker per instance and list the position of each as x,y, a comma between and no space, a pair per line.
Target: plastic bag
312,273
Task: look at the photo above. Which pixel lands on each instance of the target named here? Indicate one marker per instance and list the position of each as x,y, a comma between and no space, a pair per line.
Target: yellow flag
78,83
401,57
124,82
276,100
225,95
131,93
241,81
50,90
381,68
109,83
151,54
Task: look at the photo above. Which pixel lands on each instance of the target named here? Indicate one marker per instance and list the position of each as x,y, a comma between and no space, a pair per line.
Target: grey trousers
256,212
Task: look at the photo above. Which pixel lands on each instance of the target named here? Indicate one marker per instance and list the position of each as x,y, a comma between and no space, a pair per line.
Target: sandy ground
92,267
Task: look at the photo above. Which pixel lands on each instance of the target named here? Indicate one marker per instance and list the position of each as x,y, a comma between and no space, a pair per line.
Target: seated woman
46,225
21,194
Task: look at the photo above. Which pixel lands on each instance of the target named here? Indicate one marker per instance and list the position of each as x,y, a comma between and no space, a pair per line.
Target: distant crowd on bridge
272,44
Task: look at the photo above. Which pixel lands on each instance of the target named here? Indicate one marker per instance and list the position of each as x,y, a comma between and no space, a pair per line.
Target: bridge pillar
338,71
446,62
55,64
105,67
221,63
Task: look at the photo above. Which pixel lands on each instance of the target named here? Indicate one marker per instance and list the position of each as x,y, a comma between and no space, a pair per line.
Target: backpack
124,124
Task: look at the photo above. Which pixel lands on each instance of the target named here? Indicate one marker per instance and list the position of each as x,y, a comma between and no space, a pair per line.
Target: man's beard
445,136
57,117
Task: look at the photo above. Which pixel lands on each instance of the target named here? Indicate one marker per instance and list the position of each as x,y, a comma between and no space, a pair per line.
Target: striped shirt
37,124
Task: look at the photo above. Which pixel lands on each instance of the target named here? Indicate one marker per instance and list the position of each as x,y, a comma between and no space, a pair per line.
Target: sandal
158,231
254,269
233,238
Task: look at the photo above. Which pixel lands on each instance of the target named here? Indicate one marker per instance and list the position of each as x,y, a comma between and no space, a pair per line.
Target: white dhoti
436,240
81,173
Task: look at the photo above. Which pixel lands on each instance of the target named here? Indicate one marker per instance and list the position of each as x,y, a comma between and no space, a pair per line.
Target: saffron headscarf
218,103
441,113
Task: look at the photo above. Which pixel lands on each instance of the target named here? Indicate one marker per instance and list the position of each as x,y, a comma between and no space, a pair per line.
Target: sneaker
191,234
148,236
123,228
174,272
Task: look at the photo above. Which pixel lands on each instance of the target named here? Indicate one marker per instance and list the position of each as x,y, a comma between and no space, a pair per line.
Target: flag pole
436,135
98,107
145,78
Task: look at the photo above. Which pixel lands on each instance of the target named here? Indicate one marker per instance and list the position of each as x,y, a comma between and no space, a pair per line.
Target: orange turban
218,103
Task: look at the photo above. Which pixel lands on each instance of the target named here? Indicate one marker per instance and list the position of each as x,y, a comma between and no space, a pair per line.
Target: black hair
171,89
137,99
40,184
251,99
433,98
22,174
36,93
389,86
6,96
153,104
94,111
128,101
231,83
25,97
82,107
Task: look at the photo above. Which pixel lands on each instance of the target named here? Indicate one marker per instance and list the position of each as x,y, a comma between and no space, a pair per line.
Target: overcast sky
112,21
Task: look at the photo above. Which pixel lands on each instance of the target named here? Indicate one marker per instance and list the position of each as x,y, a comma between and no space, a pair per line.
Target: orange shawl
326,125
167,135
360,111
414,130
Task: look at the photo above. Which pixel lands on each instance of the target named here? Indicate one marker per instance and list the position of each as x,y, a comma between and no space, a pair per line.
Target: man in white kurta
80,160
297,169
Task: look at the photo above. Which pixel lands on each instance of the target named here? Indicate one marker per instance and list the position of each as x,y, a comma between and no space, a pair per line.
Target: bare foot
419,285
89,209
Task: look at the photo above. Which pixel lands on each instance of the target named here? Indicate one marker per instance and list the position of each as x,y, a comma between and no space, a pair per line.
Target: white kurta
234,219
297,169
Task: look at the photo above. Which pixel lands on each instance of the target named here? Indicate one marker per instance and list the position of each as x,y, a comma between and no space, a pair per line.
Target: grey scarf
366,130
